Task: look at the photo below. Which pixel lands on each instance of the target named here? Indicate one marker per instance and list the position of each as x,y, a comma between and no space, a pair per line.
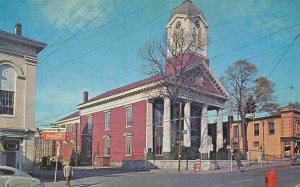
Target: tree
242,84
173,61
295,105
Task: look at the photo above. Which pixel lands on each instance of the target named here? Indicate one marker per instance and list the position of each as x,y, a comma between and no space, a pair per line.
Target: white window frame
8,87
107,120
129,117
128,145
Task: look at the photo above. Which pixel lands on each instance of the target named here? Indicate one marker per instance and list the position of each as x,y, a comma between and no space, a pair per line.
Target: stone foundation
173,164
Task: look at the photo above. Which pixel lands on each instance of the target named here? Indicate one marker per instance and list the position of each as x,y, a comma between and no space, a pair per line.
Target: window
256,144
6,172
7,89
271,128
194,141
107,120
89,125
88,148
129,117
194,120
106,147
298,127
128,145
256,129
158,114
235,131
159,144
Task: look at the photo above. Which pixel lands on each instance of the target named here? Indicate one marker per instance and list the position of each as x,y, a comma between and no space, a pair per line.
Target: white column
167,126
149,126
219,128
204,130
187,125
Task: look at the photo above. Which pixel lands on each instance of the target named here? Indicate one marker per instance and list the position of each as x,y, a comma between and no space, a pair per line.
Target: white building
17,98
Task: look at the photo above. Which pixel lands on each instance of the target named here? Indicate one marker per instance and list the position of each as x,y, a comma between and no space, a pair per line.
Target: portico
194,124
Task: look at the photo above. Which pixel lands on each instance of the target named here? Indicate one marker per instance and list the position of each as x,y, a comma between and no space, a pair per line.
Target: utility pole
180,136
76,152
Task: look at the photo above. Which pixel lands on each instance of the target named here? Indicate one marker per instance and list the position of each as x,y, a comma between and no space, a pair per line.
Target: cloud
56,12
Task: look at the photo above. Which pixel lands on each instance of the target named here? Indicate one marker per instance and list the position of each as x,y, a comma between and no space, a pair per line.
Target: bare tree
295,104
174,61
241,83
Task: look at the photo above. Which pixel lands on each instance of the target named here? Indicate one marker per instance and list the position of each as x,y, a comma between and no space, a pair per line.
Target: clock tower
188,19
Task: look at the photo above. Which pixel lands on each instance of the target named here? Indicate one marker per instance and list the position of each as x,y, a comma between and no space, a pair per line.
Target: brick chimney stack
18,29
85,96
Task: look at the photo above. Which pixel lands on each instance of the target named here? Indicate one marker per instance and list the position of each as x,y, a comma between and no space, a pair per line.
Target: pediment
205,81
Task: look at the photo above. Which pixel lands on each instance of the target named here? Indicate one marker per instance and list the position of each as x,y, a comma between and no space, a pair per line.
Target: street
287,176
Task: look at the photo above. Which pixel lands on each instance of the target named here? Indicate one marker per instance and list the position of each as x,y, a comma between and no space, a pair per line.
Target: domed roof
187,8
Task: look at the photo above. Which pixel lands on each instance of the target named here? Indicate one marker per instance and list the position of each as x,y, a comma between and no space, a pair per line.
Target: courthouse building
18,59
127,124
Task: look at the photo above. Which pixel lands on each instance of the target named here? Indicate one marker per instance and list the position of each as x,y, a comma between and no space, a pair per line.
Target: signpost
56,164
58,135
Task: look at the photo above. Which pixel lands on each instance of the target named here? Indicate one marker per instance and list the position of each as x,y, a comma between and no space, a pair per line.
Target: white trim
127,134
118,94
106,137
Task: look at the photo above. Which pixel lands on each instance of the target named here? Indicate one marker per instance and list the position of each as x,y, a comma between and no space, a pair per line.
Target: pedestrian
68,173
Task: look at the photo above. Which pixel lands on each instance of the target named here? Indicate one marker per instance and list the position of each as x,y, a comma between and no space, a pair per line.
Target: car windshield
6,172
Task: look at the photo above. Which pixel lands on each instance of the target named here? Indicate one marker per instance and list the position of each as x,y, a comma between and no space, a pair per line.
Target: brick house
276,136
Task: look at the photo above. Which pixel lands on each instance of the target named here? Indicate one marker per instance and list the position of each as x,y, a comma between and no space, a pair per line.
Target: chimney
18,29
85,96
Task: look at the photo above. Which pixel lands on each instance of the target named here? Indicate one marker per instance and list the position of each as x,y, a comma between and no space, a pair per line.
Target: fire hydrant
270,178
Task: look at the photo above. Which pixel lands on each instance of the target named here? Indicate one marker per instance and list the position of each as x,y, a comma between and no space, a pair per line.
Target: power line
79,20
105,24
66,20
74,35
253,42
258,25
105,44
281,58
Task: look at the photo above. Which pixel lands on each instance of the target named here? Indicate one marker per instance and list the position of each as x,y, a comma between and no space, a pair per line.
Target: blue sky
94,48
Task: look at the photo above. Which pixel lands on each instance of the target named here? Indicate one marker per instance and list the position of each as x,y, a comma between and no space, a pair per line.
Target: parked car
12,177
295,160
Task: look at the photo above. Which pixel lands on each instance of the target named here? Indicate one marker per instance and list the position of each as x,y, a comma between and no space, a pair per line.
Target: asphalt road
287,176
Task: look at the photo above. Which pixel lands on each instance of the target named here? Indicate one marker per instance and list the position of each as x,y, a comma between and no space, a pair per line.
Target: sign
54,130
54,136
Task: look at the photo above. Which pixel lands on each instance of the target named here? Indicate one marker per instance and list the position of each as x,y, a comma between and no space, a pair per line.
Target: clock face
178,25
197,24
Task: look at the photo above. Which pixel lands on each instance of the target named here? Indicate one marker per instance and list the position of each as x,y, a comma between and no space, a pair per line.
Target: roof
11,36
73,115
124,88
187,8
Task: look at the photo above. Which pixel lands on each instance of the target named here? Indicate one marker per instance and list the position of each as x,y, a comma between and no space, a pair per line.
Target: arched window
7,89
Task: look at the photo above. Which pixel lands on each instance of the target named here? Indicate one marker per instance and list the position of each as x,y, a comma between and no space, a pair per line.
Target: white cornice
22,40
68,121
118,95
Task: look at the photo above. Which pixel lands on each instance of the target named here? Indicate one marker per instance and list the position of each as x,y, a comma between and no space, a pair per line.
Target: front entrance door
11,159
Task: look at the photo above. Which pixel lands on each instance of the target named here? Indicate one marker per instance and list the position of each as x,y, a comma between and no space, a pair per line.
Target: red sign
54,136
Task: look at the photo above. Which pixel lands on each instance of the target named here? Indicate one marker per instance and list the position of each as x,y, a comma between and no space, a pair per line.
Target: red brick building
276,136
127,124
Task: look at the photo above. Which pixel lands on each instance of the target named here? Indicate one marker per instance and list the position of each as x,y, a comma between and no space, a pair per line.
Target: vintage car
11,177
